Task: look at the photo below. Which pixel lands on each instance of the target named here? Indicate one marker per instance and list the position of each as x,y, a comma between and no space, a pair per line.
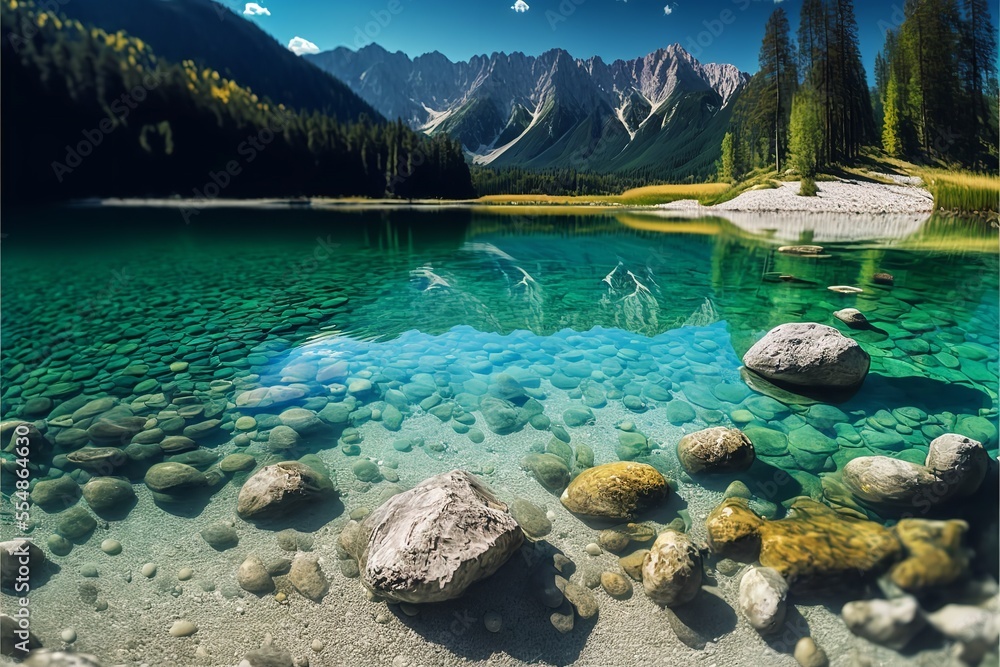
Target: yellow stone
934,554
617,490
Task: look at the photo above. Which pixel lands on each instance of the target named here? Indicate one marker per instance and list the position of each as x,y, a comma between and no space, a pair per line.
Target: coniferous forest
91,113
810,105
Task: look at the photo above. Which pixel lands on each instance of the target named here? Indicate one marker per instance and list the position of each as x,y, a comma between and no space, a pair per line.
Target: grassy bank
650,195
964,192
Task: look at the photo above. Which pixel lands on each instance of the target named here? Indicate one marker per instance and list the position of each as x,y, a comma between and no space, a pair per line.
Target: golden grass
649,195
964,192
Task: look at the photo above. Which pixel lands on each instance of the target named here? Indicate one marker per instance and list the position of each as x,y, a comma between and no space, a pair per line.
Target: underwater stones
582,600
583,457
57,493
182,628
282,437
115,430
559,448
237,463
615,490
887,481
802,250
71,438
220,535
253,577
976,630
366,471
171,477
530,518
632,563
715,450
672,570
955,466
766,441
75,523
58,545
762,599
307,577
266,397
978,428
934,553
175,444
813,548
808,355
808,654
550,470
202,430
733,530
301,420
111,547
891,623
432,542
108,493
506,387
501,416
613,541
392,418
960,461
98,459
275,489
336,414
576,417
36,406
616,585
631,445
293,540
16,556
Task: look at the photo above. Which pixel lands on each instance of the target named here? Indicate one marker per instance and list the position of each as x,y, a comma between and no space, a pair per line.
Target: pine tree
891,127
727,169
806,136
780,79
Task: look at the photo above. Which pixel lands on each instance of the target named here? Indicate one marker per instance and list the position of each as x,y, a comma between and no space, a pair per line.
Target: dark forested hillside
88,112
213,36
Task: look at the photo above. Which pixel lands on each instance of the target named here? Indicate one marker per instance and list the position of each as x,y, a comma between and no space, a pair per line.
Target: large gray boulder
960,462
432,542
885,480
275,489
955,467
808,355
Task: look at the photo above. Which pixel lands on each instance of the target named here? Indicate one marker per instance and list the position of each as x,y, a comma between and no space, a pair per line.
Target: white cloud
520,6
298,46
668,10
253,9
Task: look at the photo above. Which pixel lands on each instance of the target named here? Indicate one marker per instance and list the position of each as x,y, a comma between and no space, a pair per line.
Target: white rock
183,628
432,542
977,630
763,592
672,570
891,623
808,355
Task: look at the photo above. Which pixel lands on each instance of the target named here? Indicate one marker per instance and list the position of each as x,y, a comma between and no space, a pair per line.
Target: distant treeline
566,181
90,113
935,97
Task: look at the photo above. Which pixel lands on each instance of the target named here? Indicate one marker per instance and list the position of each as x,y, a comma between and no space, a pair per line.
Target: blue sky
609,28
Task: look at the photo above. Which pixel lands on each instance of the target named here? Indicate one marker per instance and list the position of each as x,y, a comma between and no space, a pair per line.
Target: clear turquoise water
632,316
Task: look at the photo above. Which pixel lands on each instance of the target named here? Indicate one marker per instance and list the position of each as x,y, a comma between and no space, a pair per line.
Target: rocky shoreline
842,196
